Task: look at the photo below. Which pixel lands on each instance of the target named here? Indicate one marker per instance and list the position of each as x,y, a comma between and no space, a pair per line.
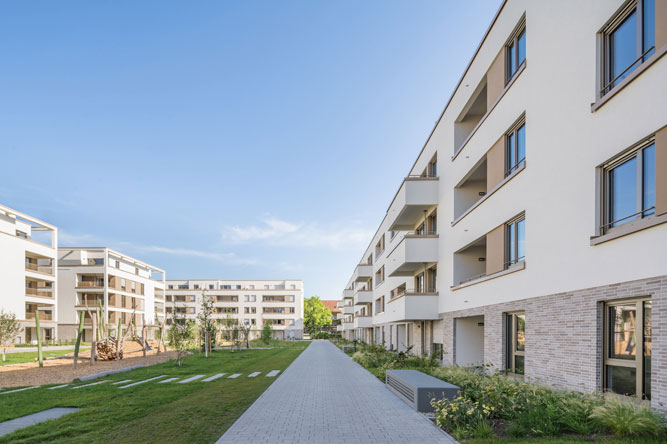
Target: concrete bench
347,348
417,388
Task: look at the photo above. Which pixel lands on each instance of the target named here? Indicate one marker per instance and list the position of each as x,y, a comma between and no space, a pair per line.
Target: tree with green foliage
180,335
316,315
9,330
267,333
207,327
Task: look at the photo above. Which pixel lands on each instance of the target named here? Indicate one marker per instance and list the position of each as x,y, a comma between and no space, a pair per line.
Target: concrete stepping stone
124,381
190,379
58,387
164,381
141,382
214,377
88,385
235,375
272,373
253,374
29,420
20,390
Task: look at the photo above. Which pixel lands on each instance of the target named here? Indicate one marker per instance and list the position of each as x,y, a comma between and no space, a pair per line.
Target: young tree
206,322
267,333
180,335
9,330
316,315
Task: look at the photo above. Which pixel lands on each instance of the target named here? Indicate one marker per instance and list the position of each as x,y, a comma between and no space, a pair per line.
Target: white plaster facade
28,282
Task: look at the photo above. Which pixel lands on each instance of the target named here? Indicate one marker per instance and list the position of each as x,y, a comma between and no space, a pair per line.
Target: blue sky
225,139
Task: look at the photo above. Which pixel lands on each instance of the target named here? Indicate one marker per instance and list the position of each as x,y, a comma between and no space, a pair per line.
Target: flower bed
497,405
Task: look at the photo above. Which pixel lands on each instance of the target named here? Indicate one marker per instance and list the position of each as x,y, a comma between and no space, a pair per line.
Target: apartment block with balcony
125,287
278,303
28,281
550,200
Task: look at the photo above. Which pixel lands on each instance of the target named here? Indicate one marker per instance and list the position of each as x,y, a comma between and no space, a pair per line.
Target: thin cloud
278,232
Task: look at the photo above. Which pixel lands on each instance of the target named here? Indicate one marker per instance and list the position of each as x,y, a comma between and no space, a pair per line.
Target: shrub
267,333
321,335
627,418
460,415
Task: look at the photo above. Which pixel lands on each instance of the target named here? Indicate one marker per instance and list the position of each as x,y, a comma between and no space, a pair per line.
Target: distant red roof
331,305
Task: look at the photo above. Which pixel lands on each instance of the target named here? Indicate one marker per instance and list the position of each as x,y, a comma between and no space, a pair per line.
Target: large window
515,239
629,40
516,342
515,146
516,52
627,360
629,187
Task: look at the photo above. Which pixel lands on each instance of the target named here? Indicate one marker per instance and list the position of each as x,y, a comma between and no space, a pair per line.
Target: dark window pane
511,240
521,240
521,143
647,350
518,365
648,181
648,18
521,47
623,48
622,380
511,153
521,332
623,188
622,329
511,60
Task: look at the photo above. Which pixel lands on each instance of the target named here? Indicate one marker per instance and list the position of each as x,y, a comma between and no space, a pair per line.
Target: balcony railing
44,269
38,293
42,316
90,284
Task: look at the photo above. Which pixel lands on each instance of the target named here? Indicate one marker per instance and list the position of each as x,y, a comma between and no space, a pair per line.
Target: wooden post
119,332
143,339
206,333
40,358
93,344
78,338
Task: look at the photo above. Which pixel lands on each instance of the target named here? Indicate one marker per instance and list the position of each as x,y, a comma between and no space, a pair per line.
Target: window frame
512,351
605,224
512,225
638,362
514,132
512,65
608,84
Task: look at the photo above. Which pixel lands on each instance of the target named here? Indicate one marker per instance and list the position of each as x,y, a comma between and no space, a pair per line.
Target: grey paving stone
26,421
190,379
124,381
164,381
20,390
235,375
141,382
272,373
214,377
88,385
58,387
326,397
253,374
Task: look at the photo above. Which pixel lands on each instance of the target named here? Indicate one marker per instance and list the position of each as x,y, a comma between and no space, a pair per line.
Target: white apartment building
530,232
126,286
28,280
252,303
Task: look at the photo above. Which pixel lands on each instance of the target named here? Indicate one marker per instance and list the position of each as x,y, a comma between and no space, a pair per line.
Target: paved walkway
325,397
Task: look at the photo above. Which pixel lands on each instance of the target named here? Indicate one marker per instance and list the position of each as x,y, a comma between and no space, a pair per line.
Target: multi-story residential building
253,303
529,233
28,261
332,305
125,286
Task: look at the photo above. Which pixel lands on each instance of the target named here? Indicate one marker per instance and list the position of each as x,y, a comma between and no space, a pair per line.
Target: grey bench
417,388
347,348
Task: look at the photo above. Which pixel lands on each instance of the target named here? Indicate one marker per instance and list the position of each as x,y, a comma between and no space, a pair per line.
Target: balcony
362,273
348,293
339,328
362,297
411,254
96,283
348,325
416,195
348,310
42,316
363,322
35,292
410,306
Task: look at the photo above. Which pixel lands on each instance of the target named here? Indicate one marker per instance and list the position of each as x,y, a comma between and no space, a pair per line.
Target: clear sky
225,139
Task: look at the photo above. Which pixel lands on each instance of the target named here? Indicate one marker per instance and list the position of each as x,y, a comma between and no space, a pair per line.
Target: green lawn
197,412
18,358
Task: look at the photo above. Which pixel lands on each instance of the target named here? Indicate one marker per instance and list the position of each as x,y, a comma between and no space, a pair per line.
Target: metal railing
642,213
606,88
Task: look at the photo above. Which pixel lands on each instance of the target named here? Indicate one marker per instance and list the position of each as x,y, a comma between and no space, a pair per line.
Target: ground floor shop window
516,342
627,363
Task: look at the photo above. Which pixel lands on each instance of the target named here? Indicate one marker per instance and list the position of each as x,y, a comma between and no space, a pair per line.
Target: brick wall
564,335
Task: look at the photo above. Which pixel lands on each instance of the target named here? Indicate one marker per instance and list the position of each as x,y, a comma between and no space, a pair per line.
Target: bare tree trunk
143,339
79,335
93,345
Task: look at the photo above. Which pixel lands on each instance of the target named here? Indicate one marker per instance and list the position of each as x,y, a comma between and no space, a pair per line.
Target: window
628,190
293,286
516,342
252,287
98,261
250,298
515,241
628,40
379,247
438,351
515,146
136,270
22,234
196,287
266,287
433,167
226,287
183,286
117,264
516,52
238,287
171,287
168,298
211,286
379,276
627,359
419,283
